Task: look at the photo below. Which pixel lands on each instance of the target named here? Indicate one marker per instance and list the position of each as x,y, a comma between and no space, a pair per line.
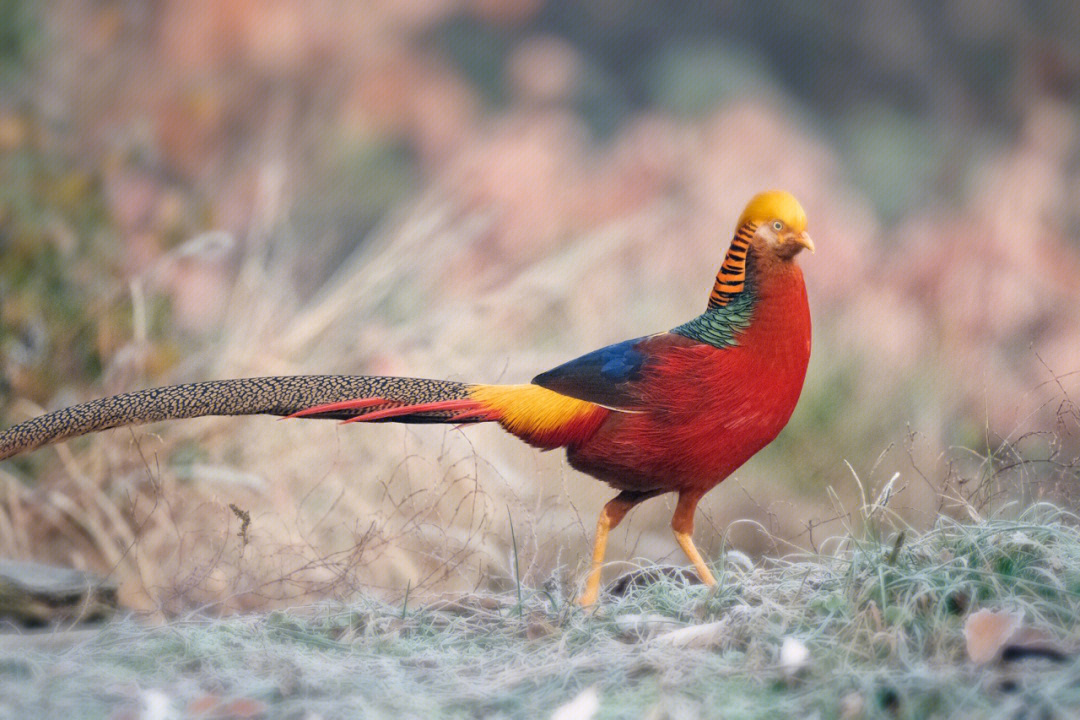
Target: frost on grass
879,626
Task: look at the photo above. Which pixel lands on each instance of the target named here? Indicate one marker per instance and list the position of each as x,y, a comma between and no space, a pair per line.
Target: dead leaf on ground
987,632
538,626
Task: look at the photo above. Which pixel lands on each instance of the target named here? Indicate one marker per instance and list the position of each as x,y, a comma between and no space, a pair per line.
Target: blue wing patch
605,376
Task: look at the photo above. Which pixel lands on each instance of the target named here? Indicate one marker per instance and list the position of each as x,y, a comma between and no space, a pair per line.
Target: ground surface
882,624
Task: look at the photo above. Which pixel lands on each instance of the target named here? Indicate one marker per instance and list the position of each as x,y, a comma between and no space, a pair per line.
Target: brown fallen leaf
203,705
538,626
244,708
214,707
987,632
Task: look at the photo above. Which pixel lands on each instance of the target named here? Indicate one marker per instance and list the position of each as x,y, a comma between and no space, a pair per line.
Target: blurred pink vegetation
953,283
234,99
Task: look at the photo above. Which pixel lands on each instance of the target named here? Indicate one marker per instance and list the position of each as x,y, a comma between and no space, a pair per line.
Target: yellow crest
775,205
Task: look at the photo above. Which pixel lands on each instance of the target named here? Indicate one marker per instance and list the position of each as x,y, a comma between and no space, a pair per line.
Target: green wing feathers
285,395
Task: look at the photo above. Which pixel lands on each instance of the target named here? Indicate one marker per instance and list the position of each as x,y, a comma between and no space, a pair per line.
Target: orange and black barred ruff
731,279
281,395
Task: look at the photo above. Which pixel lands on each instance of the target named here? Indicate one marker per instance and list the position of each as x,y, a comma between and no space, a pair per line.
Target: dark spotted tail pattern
283,395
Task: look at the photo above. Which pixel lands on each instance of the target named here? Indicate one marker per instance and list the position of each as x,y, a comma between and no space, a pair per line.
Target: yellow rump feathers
539,416
775,205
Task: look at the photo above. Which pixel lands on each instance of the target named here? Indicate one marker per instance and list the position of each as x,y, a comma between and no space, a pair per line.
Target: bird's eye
777,225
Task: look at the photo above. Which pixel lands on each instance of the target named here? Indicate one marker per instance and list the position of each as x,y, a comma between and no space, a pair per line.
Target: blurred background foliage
483,188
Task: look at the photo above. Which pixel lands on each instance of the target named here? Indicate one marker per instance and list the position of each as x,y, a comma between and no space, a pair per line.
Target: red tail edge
357,404
468,408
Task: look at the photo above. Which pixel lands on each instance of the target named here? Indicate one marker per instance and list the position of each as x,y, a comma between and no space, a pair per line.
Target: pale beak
803,239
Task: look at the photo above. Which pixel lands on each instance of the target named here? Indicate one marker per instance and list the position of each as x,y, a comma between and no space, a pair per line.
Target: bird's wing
611,376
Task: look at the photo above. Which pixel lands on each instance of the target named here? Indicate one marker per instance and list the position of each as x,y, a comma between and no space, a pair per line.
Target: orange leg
610,516
682,522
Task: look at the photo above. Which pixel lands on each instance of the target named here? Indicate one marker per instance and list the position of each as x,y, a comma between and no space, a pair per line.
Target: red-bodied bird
678,411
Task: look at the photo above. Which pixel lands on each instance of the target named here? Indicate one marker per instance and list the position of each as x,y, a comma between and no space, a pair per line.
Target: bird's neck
750,287
731,281
734,294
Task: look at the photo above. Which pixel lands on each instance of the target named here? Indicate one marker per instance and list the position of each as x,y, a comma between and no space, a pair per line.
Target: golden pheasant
677,411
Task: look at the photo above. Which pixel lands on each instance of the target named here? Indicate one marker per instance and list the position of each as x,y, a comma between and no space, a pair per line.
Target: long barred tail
538,416
285,395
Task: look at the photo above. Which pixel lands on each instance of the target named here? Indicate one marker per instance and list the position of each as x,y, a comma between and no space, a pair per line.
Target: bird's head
781,224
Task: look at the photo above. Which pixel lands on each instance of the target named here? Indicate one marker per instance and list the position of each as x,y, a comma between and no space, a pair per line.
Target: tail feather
541,417
459,409
331,409
283,395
